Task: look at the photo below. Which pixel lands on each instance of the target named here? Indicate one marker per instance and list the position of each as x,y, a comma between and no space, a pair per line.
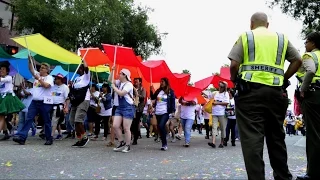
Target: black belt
314,86
258,86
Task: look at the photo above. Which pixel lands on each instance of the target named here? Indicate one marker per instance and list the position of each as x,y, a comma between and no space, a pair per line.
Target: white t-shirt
6,85
83,81
219,110
103,111
27,100
231,110
128,87
116,97
161,107
92,101
188,112
145,109
40,92
60,93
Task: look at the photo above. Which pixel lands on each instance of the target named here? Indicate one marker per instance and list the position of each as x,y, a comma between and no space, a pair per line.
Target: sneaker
173,140
233,144
48,142
120,147
164,148
66,132
34,131
77,144
207,137
69,135
212,145
94,138
83,142
126,149
59,137
178,137
42,136
186,145
5,137
221,146
225,143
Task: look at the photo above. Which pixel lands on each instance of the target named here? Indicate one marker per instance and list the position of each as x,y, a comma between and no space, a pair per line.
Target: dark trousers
231,126
135,126
35,108
290,129
206,125
310,108
162,120
260,114
105,121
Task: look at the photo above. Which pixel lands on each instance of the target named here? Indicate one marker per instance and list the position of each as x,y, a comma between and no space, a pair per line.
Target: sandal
110,144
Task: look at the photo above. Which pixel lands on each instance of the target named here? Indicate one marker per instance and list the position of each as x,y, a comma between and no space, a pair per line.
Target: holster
242,86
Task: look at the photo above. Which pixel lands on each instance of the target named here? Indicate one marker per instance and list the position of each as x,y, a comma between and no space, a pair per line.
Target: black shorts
92,115
114,110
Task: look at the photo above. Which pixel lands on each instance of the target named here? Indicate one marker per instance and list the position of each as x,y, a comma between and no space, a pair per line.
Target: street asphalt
145,161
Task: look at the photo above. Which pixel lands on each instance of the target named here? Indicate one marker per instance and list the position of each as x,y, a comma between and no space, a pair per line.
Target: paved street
145,161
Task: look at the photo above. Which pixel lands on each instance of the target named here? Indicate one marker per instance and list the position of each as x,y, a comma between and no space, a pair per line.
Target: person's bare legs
2,123
126,127
117,121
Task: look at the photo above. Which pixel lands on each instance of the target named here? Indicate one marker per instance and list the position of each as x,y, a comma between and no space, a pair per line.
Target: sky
201,33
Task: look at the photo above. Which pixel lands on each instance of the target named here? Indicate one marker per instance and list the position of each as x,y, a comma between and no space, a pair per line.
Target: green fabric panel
4,54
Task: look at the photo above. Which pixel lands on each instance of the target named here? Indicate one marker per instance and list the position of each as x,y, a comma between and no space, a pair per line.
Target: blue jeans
86,123
162,121
33,110
187,125
69,126
22,120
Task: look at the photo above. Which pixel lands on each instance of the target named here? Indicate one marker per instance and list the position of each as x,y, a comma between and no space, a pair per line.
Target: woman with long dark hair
310,103
164,103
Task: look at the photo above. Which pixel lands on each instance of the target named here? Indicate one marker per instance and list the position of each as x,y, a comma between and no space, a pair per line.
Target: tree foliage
88,23
305,10
186,71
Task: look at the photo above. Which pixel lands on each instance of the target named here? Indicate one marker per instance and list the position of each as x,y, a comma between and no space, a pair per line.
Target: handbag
98,108
208,107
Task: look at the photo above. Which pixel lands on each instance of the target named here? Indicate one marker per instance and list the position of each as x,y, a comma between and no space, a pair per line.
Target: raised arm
30,65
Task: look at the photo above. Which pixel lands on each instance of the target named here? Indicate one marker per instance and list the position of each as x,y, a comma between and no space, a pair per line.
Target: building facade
6,23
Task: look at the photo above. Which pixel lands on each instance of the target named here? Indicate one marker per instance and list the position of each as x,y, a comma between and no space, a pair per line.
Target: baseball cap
59,75
127,73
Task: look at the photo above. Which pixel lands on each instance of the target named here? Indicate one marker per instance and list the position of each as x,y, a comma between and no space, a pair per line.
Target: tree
212,89
186,71
226,65
88,23
216,74
305,10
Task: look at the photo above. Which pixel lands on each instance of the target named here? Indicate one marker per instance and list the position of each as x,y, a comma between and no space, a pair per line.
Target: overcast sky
202,32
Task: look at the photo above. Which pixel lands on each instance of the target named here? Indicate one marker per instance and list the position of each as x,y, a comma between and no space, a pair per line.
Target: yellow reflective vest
315,57
264,56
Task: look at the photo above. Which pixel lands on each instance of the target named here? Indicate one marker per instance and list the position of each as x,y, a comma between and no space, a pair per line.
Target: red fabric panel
94,57
225,72
204,83
153,71
124,56
191,93
217,79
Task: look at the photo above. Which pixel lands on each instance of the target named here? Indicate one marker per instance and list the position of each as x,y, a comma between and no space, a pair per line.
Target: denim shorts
125,111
